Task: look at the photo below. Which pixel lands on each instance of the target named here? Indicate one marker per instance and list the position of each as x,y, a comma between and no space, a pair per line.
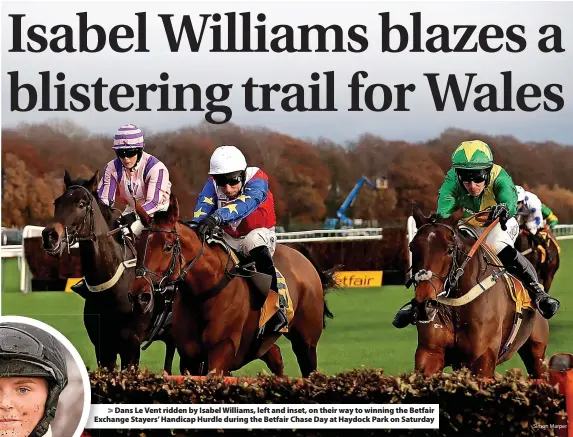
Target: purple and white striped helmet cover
128,136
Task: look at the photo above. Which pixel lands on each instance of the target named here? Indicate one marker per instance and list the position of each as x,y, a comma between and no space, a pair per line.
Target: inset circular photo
44,384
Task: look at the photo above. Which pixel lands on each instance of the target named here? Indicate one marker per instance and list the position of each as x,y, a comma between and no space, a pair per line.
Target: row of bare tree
309,179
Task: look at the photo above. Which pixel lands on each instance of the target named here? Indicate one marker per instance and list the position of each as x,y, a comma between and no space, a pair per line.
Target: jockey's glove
502,212
207,226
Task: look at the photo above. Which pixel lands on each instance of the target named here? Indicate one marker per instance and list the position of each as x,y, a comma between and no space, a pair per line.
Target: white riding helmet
227,159
520,193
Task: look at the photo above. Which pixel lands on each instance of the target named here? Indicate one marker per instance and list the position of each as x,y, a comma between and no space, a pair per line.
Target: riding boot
81,288
264,264
517,265
405,316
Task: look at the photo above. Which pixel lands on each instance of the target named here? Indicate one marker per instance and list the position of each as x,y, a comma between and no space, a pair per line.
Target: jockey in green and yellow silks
475,183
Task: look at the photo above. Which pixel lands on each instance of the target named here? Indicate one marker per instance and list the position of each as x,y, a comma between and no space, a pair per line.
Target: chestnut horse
215,311
546,266
467,332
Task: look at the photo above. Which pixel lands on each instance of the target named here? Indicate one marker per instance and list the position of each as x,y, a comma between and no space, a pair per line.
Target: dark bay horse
113,328
546,264
454,329
215,313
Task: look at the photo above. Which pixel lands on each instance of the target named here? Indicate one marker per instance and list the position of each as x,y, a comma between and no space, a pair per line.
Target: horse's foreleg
484,365
169,353
429,361
130,354
305,352
274,360
533,350
221,356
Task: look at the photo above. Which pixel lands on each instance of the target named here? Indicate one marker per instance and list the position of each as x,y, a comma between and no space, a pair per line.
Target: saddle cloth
516,289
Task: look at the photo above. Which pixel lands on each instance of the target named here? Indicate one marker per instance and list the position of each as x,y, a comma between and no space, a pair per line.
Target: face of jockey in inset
22,404
33,373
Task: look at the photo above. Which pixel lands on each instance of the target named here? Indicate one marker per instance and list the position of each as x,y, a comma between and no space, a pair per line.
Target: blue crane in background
345,222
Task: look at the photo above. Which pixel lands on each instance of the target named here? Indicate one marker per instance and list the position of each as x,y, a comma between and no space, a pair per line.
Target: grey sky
204,68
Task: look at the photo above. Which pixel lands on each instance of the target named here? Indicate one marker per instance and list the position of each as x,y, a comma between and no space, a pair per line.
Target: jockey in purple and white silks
134,175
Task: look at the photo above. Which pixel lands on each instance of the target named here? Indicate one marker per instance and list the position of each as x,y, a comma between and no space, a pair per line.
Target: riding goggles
472,176
127,153
222,180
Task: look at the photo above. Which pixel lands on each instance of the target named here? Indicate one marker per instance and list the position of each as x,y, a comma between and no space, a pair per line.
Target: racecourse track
360,335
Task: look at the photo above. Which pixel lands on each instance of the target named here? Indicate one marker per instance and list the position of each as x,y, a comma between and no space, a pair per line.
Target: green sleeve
505,192
447,200
545,210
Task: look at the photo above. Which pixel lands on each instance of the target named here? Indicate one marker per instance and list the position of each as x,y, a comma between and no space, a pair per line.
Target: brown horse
454,329
546,264
215,312
112,326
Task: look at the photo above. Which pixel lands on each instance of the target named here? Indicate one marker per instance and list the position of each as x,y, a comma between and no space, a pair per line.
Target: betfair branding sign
359,279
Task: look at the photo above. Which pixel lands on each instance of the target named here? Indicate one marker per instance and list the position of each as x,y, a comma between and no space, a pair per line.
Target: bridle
73,237
450,281
157,281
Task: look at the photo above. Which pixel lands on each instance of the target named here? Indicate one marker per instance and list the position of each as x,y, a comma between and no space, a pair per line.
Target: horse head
158,255
435,249
73,215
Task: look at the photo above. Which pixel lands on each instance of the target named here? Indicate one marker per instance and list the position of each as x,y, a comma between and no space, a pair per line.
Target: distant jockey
135,177
237,199
530,211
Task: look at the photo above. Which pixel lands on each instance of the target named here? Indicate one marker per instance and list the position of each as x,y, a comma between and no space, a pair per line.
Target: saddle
245,267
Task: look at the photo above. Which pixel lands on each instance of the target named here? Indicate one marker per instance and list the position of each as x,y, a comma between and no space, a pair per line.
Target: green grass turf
361,334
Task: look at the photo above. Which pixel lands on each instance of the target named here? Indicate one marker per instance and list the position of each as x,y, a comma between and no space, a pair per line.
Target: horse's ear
419,217
455,217
173,209
91,185
145,219
67,179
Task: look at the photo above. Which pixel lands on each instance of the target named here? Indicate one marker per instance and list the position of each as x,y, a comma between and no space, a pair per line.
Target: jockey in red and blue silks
237,199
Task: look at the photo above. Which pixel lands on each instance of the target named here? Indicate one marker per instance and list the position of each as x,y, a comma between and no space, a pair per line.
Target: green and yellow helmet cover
472,155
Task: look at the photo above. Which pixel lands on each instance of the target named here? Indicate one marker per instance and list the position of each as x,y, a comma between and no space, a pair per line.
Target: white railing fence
562,232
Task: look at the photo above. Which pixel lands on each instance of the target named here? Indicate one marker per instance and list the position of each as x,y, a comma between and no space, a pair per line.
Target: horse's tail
326,278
